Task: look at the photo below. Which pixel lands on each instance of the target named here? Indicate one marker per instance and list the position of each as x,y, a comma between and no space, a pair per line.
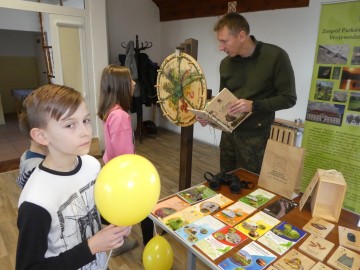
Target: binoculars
215,181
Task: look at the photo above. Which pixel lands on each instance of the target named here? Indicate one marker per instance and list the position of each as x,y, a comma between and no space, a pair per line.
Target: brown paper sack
281,169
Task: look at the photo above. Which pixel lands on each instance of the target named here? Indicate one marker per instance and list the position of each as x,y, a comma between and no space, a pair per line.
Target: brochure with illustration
294,260
220,242
280,208
257,225
344,258
257,198
318,227
216,112
251,256
349,238
316,247
182,218
169,206
282,237
196,194
235,213
213,204
199,229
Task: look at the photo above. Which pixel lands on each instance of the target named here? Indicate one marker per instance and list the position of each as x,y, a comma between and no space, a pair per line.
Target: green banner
332,127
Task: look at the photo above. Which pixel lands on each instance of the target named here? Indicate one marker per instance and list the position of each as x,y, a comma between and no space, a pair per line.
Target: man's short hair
234,22
52,101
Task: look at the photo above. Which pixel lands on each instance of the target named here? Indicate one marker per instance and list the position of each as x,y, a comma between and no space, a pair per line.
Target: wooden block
344,258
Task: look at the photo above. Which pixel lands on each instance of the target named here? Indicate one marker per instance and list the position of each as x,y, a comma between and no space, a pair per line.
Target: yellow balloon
158,254
127,189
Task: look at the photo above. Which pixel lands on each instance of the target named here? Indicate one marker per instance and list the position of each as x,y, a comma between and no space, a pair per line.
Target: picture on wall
355,60
333,54
326,113
354,102
340,96
324,72
353,119
350,78
323,90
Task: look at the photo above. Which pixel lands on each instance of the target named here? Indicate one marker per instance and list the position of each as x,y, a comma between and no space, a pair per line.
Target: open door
67,35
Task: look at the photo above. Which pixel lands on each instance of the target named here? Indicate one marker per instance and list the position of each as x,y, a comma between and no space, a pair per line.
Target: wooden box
327,190
328,197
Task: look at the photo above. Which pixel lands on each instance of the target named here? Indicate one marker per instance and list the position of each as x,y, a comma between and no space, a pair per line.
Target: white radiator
287,132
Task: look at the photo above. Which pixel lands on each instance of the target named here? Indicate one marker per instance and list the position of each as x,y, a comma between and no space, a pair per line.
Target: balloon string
155,229
107,261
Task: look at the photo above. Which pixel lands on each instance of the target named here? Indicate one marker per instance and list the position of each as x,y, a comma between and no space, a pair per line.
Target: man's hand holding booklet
216,112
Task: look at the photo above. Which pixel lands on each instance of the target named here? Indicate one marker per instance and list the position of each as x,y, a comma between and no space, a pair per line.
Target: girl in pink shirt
116,90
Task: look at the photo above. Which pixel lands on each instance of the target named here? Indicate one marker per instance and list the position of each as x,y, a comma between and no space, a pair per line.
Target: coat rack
139,115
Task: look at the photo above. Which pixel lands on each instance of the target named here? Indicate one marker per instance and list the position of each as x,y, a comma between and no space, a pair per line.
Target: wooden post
186,147
186,144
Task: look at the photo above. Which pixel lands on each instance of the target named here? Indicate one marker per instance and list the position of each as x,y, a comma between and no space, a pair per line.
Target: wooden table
295,217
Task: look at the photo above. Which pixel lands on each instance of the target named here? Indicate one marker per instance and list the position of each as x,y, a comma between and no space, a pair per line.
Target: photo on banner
332,127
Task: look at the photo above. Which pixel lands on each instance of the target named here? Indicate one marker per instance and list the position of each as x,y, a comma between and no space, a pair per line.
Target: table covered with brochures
256,229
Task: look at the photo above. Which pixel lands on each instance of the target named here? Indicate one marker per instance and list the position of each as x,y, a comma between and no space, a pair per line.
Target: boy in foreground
59,225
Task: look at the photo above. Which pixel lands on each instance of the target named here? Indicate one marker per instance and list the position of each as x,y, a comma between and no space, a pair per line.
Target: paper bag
281,169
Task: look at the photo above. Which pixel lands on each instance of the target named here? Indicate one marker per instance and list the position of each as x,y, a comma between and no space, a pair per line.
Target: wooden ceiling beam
187,9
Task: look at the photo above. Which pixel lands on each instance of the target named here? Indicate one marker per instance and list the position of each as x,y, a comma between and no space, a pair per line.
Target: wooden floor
163,151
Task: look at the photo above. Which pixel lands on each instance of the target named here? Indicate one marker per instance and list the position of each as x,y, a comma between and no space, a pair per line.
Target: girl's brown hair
115,88
51,100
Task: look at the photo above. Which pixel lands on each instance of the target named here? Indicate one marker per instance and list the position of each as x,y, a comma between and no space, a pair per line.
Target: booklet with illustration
196,194
169,206
212,204
220,242
251,256
216,113
182,218
280,208
316,247
235,213
199,229
257,198
281,238
257,225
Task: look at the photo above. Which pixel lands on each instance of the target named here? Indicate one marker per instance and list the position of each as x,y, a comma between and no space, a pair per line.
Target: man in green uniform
261,76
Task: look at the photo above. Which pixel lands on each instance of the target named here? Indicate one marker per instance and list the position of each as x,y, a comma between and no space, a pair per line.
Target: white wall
17,43
125,20
128,18
295,30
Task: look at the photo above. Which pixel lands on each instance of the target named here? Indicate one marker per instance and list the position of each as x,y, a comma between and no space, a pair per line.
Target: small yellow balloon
158,254
127,189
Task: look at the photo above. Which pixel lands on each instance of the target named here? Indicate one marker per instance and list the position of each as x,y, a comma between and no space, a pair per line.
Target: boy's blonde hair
115,88
52,101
